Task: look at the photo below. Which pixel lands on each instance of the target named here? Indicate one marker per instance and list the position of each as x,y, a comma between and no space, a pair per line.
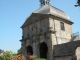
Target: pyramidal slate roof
48,9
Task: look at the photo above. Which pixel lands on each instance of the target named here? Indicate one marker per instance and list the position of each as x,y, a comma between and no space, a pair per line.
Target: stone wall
61,36
67,51
40,26
63,58
37,33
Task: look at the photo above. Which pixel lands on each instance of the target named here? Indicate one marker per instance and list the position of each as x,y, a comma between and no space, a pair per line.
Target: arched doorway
43,50
29,50
78,53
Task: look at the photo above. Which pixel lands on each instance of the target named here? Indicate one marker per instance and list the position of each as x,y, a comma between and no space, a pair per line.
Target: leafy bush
9,55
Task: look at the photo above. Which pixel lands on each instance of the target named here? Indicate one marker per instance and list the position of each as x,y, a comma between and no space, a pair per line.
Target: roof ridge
49,9
38,9
61,11
56,8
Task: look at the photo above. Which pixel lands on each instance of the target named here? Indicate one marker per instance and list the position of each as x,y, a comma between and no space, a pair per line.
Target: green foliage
19,51
78,3
40,59
7,55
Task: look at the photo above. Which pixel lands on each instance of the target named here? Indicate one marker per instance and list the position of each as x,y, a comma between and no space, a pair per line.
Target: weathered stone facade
43,30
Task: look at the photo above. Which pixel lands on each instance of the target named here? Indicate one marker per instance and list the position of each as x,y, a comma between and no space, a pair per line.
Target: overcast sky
14,12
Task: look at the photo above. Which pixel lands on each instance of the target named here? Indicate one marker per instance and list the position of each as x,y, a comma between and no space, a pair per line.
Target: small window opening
62,26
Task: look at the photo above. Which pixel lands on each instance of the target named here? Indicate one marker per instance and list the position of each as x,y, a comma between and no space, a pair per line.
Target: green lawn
40,59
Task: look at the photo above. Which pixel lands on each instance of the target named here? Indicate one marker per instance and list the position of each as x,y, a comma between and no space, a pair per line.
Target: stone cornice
24,39
51,31
35,17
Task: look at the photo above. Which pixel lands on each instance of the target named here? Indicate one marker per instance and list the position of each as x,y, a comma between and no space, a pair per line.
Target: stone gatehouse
46,29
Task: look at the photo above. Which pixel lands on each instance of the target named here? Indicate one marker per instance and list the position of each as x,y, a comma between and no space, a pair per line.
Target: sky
13,13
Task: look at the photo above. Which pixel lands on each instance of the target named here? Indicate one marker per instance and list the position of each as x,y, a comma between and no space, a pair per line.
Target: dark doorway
43,50
29,50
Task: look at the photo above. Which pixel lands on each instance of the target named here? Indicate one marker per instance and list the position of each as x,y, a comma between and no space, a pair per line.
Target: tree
1,51
78,3
19,51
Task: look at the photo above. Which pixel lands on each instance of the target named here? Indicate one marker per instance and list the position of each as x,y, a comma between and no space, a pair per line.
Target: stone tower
44,28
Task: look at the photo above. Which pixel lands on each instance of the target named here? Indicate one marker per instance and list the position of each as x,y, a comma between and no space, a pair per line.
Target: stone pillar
50,52
37,49
24,52
38,52
23,47
34,48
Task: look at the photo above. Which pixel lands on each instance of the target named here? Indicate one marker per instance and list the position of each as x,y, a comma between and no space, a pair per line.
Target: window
62,26
32,29
28,35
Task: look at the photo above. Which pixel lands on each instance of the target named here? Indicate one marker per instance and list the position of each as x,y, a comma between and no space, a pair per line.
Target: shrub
7,55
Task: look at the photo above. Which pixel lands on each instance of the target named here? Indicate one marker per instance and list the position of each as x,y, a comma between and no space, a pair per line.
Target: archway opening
29,50
78,53
43,50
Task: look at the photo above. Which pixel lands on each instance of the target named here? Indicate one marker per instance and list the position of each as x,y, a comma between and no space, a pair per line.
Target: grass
40,59
35,57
